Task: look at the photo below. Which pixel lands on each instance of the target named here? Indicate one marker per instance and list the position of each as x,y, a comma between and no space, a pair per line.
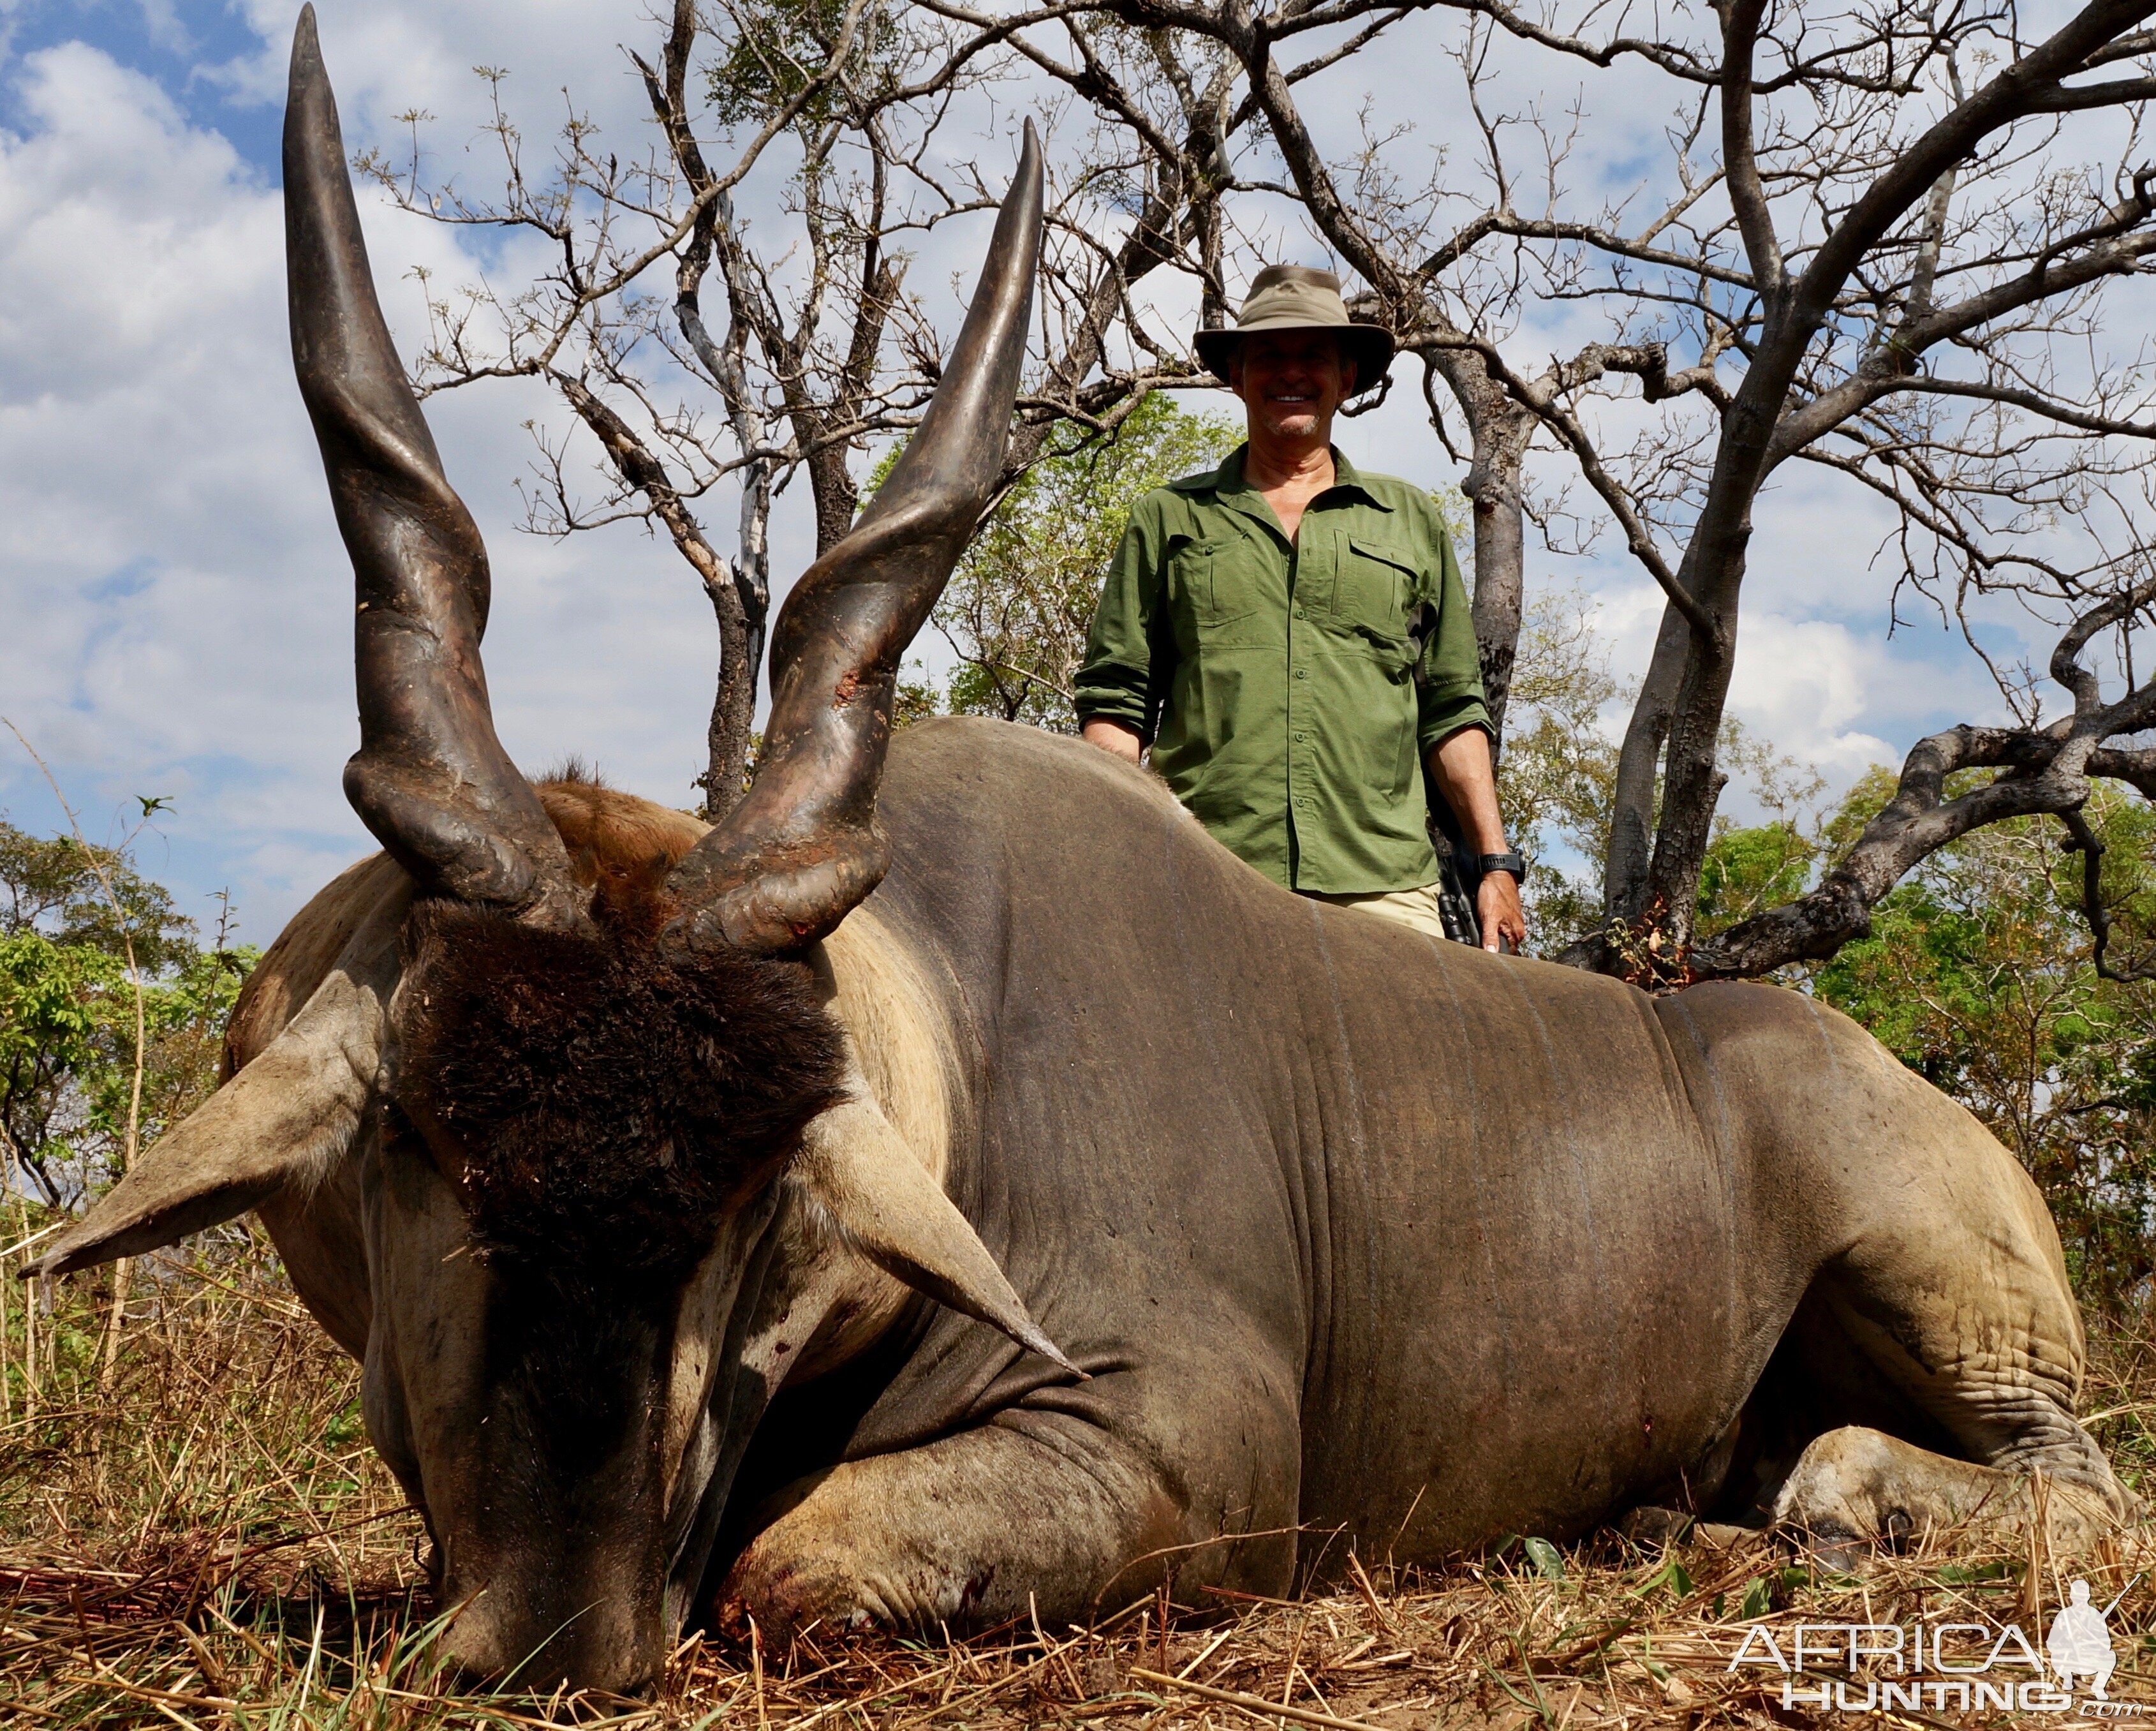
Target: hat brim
1370,346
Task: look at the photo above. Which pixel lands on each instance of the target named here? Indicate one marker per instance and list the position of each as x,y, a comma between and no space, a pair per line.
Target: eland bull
956,1185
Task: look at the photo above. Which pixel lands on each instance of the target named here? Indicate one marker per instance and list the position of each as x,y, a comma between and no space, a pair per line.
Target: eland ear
886,1205
284,1120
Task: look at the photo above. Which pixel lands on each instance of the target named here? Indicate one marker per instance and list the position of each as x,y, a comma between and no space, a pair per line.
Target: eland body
959,1187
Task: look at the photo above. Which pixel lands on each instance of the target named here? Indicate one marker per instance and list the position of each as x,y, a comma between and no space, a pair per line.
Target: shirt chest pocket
1374,589
1207,588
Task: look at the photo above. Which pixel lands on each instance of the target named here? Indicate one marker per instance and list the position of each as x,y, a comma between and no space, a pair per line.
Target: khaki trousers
1415,908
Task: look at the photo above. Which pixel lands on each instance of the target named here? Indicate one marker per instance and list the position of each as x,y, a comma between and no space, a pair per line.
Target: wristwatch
1512,863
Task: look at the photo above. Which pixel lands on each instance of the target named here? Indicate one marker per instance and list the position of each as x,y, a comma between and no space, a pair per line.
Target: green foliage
770,52
1672,1575
1557,780
68,1054
1748,871
1549,1560
51,884
55,1004
1018,608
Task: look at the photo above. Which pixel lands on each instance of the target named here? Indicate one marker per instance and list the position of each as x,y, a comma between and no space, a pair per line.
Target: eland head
572,1100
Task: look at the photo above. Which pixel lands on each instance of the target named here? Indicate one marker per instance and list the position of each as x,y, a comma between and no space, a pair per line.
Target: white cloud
1804,684
1834,696
173,585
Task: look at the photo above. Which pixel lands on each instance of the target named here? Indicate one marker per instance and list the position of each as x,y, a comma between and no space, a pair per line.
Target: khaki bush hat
1296,297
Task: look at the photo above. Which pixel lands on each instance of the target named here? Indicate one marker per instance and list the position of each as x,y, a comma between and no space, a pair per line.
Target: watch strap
1512,863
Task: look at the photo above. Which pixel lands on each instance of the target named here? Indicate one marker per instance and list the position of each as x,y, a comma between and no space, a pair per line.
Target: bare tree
840,104
1880,241
1198,91
1877,246
792,376
1898,263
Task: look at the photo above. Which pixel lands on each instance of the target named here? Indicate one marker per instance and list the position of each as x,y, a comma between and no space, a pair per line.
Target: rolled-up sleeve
1122,670
1450,684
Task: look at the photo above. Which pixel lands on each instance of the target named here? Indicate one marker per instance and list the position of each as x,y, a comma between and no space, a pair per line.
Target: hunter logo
1920,1666
2081,1642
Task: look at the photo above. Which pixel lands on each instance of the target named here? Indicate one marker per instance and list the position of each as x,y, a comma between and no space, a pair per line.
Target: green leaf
1548,1561
1758,1601
1672,1574
1959,1574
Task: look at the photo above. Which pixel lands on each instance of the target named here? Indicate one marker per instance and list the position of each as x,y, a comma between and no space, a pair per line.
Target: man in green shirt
1291,637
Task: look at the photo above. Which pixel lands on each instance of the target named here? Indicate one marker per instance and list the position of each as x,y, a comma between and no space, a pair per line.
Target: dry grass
207,1540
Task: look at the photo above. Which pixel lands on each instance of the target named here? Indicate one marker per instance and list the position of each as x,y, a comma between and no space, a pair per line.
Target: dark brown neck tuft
598,1100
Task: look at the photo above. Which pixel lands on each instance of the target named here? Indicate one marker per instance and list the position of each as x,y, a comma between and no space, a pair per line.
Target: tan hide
282,1121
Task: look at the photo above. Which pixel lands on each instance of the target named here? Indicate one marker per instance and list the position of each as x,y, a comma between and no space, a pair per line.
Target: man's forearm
1123,741
1460,764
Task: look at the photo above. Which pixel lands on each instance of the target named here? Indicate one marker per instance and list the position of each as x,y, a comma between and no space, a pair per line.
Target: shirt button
1300,737
1302,673
1300,613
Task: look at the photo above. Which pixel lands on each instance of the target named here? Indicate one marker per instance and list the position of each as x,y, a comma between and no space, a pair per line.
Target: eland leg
1033,1513
1855,1484
1964,1316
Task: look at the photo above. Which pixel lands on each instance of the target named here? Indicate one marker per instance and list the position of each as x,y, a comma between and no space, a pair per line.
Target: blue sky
187,50
176,595
172,595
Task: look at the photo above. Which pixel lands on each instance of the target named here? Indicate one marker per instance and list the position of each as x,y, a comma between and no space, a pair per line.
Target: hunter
1290,637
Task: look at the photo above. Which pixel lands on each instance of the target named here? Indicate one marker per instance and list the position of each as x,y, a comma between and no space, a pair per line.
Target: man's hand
1113,738
1497,909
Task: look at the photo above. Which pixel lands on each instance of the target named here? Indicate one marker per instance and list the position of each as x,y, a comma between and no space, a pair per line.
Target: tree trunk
1692,788
733,710
1638,773
1492,486
1499,431
837,496
741,599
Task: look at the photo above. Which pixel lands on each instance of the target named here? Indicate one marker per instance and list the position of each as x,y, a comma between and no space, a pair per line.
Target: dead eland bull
664,1178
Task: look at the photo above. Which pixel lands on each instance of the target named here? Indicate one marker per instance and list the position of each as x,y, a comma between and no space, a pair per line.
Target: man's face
1291,382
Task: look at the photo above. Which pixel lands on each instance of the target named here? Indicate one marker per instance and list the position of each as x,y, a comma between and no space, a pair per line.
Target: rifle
1459,867
1459,873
